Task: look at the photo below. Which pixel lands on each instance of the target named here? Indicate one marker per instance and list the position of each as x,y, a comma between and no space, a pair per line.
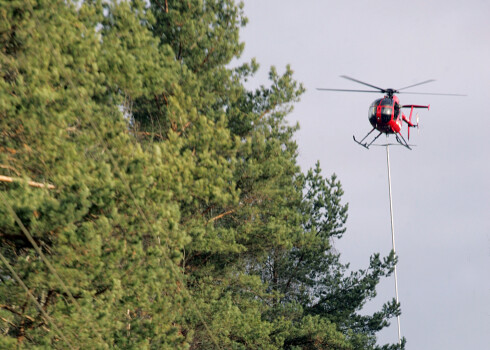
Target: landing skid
402,142
365,144
399,138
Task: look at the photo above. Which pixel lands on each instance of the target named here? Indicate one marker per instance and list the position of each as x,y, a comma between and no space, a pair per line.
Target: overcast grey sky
441,189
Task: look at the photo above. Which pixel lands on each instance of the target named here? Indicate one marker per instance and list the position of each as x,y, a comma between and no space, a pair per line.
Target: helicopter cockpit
385,108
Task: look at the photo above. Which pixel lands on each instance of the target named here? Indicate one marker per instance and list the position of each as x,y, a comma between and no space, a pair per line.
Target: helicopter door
397,111
373,110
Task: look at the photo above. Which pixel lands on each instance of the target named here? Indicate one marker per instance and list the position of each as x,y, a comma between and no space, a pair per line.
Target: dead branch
155,135
222,215
21,241
166,6
29,182
7,321
185,127
12,310
206,59
3,166
71,129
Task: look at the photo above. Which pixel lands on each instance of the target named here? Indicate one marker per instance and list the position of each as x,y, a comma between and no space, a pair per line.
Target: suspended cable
393,238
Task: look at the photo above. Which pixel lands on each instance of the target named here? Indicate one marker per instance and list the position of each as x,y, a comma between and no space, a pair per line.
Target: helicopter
386,115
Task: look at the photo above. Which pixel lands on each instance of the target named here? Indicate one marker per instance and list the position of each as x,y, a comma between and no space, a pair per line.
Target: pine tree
167,199
62,125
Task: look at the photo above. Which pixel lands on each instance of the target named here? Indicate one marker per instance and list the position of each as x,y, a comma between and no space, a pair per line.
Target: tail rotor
417,121
413,125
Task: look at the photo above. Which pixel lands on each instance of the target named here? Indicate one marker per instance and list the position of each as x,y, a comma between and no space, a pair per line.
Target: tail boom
409,120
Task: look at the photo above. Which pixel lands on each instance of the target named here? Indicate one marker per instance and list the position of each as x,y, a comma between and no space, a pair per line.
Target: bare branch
29,182
12,310
9,168
222,215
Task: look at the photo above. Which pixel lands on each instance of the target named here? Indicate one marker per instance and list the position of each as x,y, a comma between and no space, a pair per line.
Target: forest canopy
149,200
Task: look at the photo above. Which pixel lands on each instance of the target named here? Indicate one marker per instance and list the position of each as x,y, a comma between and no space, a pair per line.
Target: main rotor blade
363,83
424,82
347,90
430,93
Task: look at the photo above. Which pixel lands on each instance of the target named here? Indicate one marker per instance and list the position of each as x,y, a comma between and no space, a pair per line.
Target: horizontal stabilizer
415,106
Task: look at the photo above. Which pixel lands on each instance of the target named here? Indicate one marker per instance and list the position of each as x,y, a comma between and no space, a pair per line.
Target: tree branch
9,168
221,215
29,182
12,310
152,134
7,321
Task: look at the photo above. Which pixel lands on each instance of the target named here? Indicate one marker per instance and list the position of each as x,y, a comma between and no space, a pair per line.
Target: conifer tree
60,125
169,204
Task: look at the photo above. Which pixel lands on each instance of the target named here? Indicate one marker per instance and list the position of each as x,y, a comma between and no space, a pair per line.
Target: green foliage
179,217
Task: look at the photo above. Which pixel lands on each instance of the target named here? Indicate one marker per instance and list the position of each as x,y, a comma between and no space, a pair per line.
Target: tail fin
410,122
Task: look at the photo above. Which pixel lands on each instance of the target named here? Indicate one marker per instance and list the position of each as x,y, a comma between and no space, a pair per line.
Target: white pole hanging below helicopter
393,236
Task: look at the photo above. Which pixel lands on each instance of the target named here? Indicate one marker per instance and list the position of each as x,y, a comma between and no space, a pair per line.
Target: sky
441,189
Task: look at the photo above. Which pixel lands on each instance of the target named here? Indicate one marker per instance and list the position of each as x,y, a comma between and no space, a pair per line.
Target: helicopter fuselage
385,115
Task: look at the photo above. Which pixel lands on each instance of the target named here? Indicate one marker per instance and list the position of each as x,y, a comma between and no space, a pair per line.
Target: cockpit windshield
385,107
386,114
386,110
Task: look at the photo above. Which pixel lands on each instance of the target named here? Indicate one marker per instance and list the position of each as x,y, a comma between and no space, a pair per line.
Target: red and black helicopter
385,114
